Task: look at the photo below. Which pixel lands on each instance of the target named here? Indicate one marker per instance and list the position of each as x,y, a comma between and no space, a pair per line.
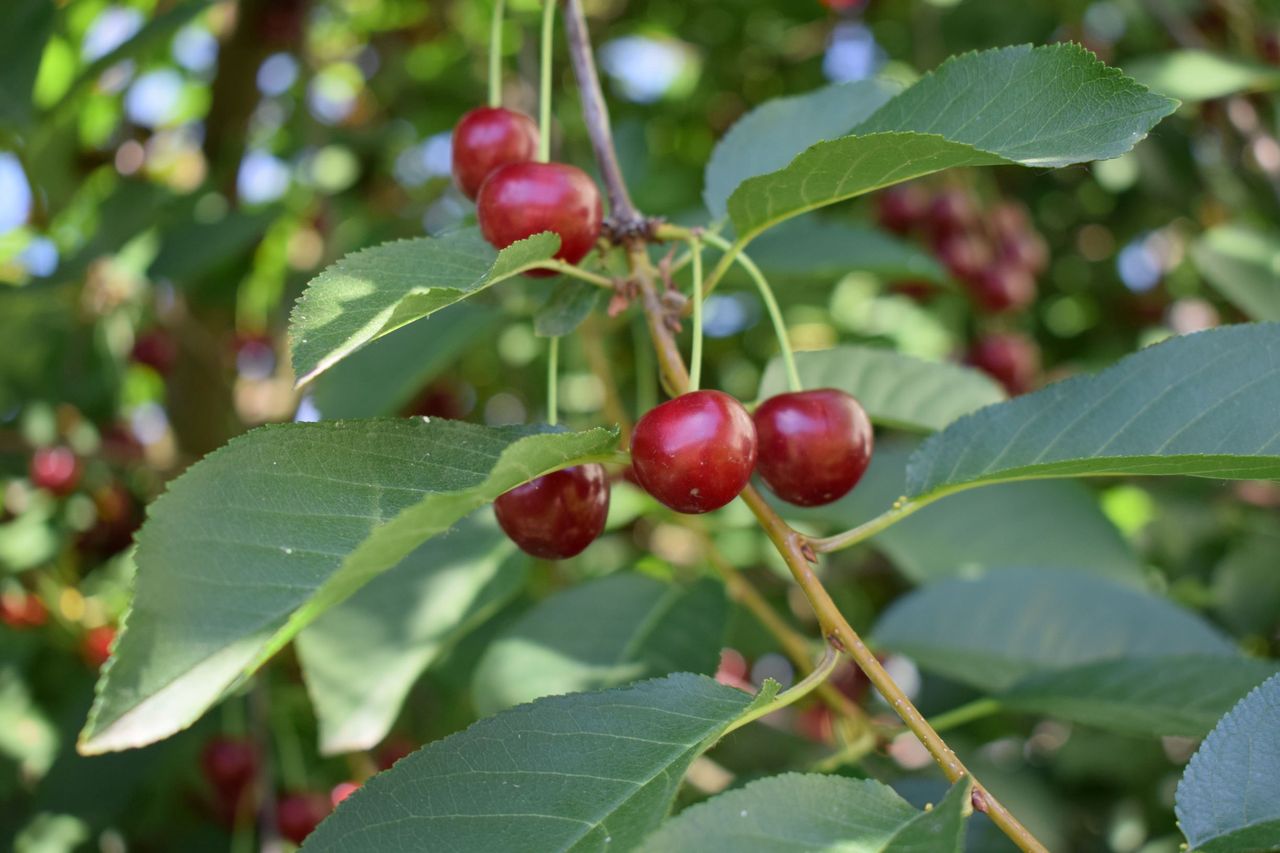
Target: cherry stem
544,81
695,358
966,713
576,272
553,357
495,54
793,694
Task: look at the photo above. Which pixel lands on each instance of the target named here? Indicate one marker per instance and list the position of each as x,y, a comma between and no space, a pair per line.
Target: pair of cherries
695,454
517,197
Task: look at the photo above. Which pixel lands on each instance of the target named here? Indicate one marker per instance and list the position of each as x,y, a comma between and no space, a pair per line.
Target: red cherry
734,670
523,199
902,208
965,254
56,469
695,453
1011,359
489,137
341,791
1027,250
230,764
95,647
1003,287
156,349
298,814
952,210
20,610
816,723
814,445
557,515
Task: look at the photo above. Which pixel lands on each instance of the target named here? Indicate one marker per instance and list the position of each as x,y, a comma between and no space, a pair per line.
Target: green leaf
1229,798
1243,264
816,251
1040,107
897,390
994,631
1167,696
262,536
27,27
382,380
613,630
361,658
1198,75
569,304
189,249
768,137
1201,404
805,812
590,771
376,291
1039,524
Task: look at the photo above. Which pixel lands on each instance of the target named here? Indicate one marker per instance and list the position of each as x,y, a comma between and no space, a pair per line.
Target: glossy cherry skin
489,137
56,469
1002,288
297,815
814,445
524,199
557,515
694,453
230,764
1011,359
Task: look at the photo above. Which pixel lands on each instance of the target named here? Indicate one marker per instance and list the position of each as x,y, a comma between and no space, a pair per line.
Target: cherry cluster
995,253
696,453
516,197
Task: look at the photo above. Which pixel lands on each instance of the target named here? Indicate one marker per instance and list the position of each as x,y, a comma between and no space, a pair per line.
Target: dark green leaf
896,390
27,26
376,291
190,249
1243,264
1198,75
617,629
814,251
1201,404
265,534
994,631
1229,798
590,771
938,830
569,304
361,657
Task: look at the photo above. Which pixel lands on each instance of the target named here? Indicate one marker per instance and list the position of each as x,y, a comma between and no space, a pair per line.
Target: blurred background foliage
173,171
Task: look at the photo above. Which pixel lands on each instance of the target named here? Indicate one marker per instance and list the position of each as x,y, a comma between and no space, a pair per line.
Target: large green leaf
1198,75
1041,107
27,26
795,812
896,390
1167,696
994,631
768,137
1202,404
1243,264
589,771
813,251
1229,798
376,291
382,380
1040,524
361,658
265,534
617,629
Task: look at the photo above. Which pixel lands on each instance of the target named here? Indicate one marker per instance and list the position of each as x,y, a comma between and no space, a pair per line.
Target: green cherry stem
495,54
798,691
695,357
544,81
553,359
770,304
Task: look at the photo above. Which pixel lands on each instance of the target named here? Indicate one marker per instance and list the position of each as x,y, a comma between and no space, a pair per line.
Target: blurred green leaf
1246,585
994,631
1198,75
1033,106
190,249
362,656
375,291
589,771
260,537
1202,405
898,391
1229,798
599,634
1243,264
568,305
814,251
27,27
26,734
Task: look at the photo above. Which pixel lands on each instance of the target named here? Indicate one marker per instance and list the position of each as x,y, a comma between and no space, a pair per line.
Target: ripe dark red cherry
952,210
695,453
489,137
524,199
298,814
56,469
1011,359
230,764
901,208
814,445
557,515
964,254
95,646
1003,287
